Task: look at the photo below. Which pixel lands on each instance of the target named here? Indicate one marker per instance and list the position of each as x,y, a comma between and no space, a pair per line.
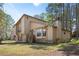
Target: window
41,32
38,32
44,32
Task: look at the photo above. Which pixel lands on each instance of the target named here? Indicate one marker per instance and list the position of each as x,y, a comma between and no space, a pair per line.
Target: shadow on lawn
40,45
31,45
70,50
25,43
12,43
37,47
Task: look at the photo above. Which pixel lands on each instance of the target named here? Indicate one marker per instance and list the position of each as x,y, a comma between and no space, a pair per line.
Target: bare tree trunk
76,21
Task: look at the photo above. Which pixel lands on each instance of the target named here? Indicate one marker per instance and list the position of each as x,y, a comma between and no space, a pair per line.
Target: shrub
74,41
77,42
61,45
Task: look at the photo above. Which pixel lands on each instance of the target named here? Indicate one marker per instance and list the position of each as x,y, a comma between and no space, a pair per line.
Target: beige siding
22,25
35,25
58,38
65,36
50,34
27,25
54,34
25,28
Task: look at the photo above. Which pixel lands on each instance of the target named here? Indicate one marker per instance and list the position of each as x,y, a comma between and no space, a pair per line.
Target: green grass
74,41
12,48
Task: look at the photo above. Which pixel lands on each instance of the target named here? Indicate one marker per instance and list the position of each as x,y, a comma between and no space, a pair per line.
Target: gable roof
29,16
36,19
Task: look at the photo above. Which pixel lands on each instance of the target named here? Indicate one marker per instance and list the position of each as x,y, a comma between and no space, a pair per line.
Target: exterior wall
50,34
18,31
54,34
36,23
68,35
26,27
21,25
27,24
58,32
65,35
23,37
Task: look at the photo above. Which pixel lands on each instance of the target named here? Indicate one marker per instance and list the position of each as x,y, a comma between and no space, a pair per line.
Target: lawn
11,48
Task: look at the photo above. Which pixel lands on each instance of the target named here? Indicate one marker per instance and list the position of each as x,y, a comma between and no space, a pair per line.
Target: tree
6,23
2,21
54,8
66,13
77,20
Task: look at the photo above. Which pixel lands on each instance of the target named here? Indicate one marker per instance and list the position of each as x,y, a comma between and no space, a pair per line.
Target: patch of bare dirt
70,50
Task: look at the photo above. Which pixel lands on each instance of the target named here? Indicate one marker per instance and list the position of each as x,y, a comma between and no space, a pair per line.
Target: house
31,29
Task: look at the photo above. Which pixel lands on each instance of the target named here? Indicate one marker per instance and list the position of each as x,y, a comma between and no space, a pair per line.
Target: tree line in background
67,13
6,23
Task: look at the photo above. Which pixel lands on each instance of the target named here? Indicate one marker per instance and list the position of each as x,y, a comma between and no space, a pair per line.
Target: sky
16,10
